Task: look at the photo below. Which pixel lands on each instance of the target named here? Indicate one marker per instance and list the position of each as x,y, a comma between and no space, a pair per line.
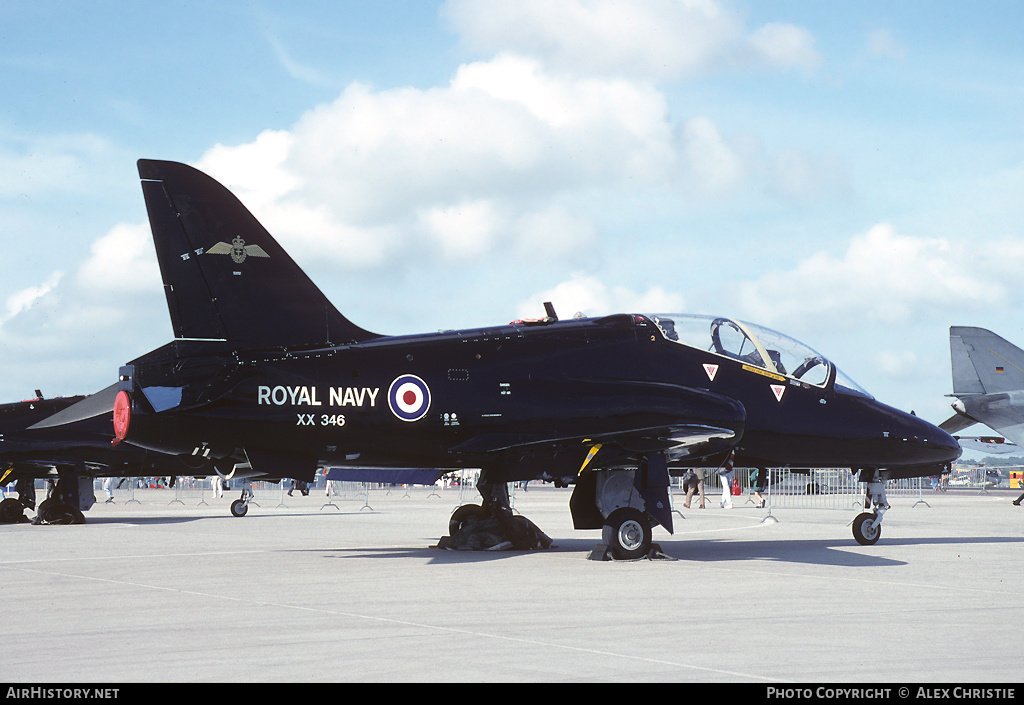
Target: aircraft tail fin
983,362
224,276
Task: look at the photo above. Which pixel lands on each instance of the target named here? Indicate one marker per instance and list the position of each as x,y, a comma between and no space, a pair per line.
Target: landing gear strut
491,526
867,527
241,505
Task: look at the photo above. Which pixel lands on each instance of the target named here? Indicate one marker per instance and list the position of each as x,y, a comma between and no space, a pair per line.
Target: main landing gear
491,526
624,503
12,510
627,534
867,526
66,500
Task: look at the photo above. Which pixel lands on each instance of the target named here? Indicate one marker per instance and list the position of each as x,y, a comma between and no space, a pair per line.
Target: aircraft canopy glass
753,345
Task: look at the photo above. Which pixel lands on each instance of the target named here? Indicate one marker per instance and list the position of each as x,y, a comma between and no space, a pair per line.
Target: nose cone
924,443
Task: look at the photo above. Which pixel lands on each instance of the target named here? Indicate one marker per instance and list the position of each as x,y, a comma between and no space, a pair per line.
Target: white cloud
800,175
651,39
512,143
709,162
897,365
62,163
883,276
253,171
467,167
122,261
591,296
296,69
785,46
465,231
552,233
23,300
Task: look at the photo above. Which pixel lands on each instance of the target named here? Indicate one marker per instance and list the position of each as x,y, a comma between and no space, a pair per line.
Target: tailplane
984,363
225,277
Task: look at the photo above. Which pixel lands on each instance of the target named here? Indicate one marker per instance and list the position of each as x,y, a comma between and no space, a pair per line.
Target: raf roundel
409,398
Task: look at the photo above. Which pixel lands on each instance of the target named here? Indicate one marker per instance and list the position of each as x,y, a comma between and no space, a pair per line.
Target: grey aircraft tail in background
988,383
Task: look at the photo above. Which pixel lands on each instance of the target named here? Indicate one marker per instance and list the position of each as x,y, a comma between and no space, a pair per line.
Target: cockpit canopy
753,345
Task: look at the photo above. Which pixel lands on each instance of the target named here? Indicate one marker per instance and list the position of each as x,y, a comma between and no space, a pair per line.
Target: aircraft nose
929,443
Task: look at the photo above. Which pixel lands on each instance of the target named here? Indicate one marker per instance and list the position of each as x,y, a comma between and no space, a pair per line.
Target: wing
629,418
674,440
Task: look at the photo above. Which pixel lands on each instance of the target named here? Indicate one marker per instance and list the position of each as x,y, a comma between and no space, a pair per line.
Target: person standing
693,481
726,475
760,485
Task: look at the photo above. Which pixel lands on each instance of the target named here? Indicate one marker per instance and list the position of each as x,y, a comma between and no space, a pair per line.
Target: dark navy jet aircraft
67,440
71,450
264,372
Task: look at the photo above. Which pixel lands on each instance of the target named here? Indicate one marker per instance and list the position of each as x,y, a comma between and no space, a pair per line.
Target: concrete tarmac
300,592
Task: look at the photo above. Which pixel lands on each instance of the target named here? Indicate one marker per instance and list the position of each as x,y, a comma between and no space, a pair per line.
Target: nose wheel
867,527
241,505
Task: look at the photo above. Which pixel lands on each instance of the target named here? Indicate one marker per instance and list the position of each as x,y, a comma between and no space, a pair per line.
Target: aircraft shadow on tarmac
141,520
157,520
833,552
829,552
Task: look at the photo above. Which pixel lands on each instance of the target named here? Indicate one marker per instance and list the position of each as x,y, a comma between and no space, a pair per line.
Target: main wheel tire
866,530
11,511
239,507
461,514
627,534
53,511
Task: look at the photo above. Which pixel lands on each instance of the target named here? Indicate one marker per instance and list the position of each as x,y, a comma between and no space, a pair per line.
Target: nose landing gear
867,527
241,505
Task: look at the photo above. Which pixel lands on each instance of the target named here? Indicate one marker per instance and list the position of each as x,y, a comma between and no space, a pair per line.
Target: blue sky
847,173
